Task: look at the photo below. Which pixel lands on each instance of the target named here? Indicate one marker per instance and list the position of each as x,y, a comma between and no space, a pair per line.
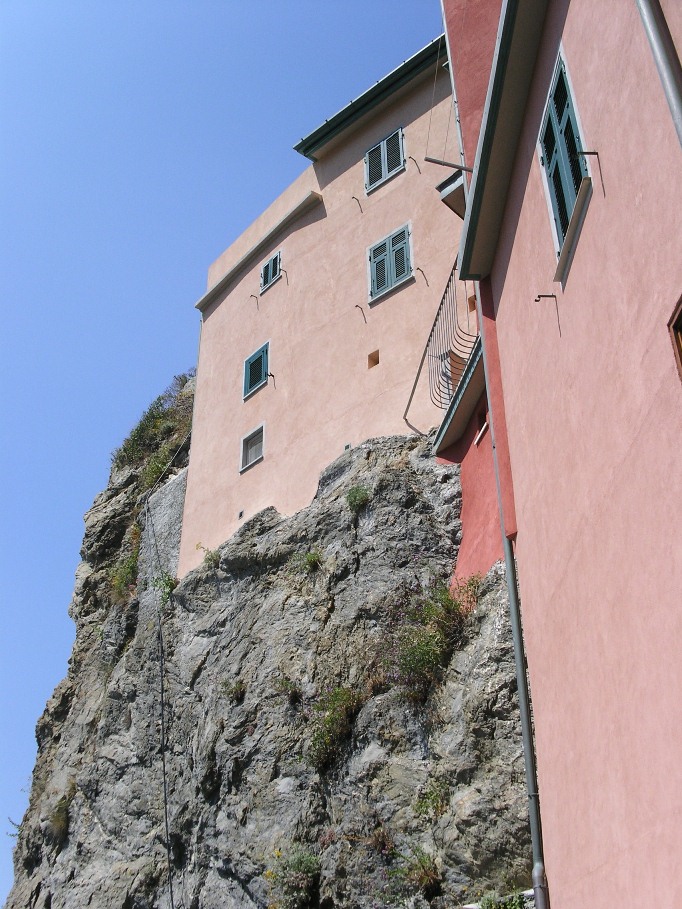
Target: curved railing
450,342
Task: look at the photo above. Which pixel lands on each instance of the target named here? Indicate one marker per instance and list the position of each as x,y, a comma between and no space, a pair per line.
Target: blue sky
138,138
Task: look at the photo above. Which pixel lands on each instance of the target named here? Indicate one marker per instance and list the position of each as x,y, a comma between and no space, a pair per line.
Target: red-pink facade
586,388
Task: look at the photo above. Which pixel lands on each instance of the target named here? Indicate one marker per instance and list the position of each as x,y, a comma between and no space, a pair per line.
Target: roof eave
518,40
370,99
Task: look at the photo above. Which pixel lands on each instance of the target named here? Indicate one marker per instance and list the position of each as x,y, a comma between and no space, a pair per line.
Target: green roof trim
370,99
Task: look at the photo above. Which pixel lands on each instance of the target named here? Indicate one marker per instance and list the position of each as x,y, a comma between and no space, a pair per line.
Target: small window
389,262
373,359
270,272
384,160
560,145
256,370
252,448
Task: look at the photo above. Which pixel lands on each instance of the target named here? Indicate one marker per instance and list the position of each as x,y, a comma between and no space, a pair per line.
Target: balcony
453,359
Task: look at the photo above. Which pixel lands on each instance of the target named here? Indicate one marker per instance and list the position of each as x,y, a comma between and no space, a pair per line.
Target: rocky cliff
337,730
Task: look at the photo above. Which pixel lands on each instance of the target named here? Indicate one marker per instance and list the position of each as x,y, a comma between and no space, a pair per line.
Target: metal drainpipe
665,57
539,877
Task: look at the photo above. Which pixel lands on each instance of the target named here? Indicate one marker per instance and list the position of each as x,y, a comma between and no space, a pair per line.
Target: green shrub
492,901
291,690
433,801
426,630
333,718
123,576
295,879
60,815
235,691
211,556
165,584
168,419
357,497
419,873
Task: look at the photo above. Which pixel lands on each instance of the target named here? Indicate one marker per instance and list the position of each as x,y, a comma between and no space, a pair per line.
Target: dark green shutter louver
384,159
269,272
256,370
390,262
564,166
379,265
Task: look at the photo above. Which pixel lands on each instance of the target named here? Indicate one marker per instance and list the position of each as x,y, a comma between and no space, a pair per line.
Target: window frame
392,281
243,448
386,175
263,352
277,258
675,330
575,208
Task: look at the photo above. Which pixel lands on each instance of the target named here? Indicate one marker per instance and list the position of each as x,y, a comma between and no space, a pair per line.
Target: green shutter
379,264
265,276
256,370
384,159
374,169
400,255
270,271
564,167
394,152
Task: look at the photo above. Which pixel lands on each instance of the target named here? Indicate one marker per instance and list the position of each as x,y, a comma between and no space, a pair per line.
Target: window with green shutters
389,262
256,370
560,144
384,159
269,272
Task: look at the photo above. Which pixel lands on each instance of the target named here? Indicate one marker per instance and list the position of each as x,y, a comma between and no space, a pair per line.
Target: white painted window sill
573,233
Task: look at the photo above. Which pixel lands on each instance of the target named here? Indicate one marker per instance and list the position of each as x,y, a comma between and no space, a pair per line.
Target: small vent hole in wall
241,514
373,359
472,303
346,447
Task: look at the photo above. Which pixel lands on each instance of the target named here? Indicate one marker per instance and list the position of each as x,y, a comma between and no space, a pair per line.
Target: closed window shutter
394,152
565,168
374,169
265,275
274,268
379,267
400,255
255,370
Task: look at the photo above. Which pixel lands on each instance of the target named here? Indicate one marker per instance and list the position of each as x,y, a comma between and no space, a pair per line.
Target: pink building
571,124
315,318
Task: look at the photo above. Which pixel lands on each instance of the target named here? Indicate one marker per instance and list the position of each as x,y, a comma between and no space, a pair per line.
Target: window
560,143
389,262
252,448
256,370
384,160
270,272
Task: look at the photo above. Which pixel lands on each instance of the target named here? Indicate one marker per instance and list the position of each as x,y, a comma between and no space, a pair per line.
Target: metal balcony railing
449,345
450,342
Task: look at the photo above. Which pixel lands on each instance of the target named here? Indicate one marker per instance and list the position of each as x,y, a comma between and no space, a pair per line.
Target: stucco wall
594,415
321,327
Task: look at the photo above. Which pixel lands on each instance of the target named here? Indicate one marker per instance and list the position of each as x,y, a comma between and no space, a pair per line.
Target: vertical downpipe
665,57
539,877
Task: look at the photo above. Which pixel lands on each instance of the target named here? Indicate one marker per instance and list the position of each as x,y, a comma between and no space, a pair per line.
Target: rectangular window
252,448
256,370
384,160
560,144
389,262
270,272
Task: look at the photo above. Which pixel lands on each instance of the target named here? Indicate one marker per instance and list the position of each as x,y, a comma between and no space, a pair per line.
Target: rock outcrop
301,767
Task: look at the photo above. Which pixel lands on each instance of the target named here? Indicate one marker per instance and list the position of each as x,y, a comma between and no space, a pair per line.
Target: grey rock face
296,608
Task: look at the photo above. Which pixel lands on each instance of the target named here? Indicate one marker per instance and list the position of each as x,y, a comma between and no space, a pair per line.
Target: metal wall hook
358,201
415,161
357,306
422,271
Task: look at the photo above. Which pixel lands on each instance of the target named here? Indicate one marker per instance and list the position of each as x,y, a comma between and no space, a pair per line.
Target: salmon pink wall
321,327
594,415
481,543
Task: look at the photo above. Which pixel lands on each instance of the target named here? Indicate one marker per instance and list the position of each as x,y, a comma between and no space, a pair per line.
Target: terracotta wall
481,542
594,414
321,327
471,26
